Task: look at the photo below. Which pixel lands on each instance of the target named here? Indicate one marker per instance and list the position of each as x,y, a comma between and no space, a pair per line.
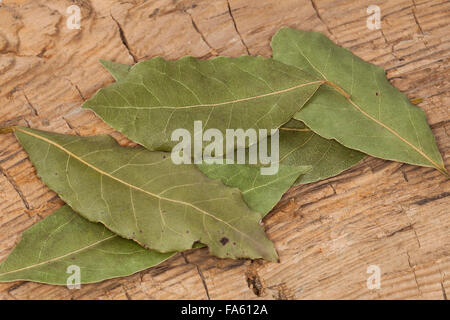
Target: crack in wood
212,51
30,105
414,8
16,188
332,187
77,89
414,61
200,273
313,3
434,198
417,283
405,177
230,12
407,228
71,127
417,237
15,286
444,294
124,40
7,158
413,269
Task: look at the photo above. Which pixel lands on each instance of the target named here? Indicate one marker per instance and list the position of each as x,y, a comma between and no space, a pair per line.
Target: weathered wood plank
378,213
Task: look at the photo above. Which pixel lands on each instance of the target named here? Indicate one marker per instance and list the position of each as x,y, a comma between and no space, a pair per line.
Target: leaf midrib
220,103
271,182
296,129
60,257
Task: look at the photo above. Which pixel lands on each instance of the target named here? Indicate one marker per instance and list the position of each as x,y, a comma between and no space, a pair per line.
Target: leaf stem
295,129
339,89
7,130
416,100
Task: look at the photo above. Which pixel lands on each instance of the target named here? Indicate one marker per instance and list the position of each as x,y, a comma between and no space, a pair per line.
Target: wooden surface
327,234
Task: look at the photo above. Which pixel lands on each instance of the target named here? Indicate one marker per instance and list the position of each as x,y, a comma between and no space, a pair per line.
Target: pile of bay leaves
131,208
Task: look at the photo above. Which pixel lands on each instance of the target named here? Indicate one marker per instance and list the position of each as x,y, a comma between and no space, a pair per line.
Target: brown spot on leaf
224,241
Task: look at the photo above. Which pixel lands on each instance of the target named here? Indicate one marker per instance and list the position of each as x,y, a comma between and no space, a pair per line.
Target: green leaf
159,96
142,195
260,192
359,107
302,153
65,239
300,146
117,70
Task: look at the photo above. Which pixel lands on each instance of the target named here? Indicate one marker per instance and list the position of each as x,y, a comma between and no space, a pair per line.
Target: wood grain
379,213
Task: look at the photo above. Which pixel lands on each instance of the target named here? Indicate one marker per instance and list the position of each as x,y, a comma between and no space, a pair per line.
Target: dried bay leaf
65,239
359,108
302,153
299,146
260,192
158,96
142,195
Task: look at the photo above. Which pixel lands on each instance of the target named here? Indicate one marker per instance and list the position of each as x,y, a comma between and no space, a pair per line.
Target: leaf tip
445,172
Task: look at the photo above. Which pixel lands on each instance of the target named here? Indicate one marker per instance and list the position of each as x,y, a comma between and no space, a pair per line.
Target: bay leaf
260,192
143,196
299,146
157,97
49,248
358,107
